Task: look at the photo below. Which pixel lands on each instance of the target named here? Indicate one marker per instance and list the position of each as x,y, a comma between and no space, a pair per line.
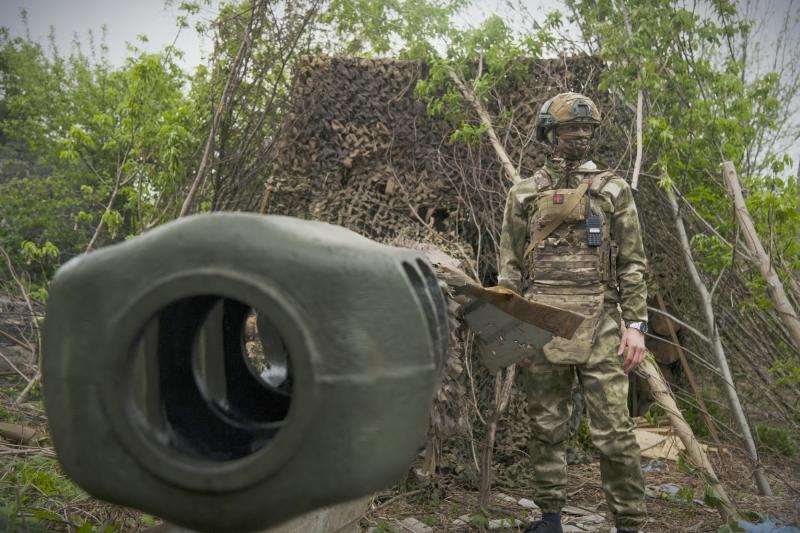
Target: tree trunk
719,353
788,315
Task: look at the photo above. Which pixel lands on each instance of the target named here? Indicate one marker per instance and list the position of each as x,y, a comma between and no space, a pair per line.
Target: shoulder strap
542,180
600,181
569,206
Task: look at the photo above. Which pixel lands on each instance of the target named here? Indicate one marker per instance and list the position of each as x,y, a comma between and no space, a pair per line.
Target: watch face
641,326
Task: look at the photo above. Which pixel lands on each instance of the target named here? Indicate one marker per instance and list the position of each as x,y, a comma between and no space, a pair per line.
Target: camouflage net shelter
359,149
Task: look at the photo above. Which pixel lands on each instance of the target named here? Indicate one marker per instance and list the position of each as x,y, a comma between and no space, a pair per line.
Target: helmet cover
565,108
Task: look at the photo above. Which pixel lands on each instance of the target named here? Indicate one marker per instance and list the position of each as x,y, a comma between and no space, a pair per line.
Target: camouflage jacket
616,200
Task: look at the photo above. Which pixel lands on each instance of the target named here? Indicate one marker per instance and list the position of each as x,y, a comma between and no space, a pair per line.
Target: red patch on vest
558,198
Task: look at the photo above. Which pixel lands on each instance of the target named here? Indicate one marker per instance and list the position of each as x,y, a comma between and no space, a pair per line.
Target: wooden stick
28,388
222,106
17,433
265,200
486,120
775,288
690,376
637,166
502,395
695,452
716,346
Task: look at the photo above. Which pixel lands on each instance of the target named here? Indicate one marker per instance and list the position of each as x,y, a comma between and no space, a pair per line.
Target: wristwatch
641,326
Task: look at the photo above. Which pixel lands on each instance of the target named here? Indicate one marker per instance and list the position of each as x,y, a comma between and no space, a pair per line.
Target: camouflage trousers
605,389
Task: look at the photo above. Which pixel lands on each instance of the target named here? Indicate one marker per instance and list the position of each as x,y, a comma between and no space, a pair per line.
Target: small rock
415,526
500,523
653,466
462,520
505,498
527,504
569,509
668,490
573,528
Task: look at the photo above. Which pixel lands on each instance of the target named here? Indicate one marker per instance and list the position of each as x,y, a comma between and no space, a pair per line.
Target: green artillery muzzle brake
230,371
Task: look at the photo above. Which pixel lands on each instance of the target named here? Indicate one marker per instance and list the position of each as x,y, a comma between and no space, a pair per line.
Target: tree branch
486,121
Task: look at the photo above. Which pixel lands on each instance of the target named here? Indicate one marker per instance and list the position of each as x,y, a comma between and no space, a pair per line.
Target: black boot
550,523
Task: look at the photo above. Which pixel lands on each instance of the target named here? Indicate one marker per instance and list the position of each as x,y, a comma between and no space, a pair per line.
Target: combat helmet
565,108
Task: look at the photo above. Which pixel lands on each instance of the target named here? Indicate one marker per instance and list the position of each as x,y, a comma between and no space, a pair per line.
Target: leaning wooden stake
719,352
687,370
775,288
694,451
502,394
503,384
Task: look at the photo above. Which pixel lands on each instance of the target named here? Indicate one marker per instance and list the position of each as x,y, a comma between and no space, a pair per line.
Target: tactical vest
563,269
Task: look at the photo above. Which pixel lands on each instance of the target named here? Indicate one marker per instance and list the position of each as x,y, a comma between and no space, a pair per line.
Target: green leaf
711,497
44,514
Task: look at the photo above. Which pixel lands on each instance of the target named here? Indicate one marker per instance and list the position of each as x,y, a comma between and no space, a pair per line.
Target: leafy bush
777,439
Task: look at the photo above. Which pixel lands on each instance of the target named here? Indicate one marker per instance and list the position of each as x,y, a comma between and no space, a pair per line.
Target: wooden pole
503,384
690,376
719,352
502,395
775,288
694,450
637,166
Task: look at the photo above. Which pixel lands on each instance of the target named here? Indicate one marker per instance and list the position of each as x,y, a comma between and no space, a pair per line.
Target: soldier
571,238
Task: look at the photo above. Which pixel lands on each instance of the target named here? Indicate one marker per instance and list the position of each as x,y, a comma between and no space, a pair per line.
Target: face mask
574,145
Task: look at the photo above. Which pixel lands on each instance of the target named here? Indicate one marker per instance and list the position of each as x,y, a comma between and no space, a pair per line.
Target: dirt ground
36,496
447,504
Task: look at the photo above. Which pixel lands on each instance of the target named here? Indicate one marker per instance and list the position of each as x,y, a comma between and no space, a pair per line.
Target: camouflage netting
358,149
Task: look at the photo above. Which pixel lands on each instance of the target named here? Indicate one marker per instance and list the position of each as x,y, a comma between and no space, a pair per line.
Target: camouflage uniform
560,271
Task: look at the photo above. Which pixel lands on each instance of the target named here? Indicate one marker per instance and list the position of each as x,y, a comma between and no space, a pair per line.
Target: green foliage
730,528
701,109
383,527
584,436
777,439
37,496
484,58
787,371
431,520
653,414
685,495
694,416
479,520
702,106
98,144
711,497
685,466
409,28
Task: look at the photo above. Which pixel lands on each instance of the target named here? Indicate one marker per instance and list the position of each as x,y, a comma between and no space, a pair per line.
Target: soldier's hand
632,345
